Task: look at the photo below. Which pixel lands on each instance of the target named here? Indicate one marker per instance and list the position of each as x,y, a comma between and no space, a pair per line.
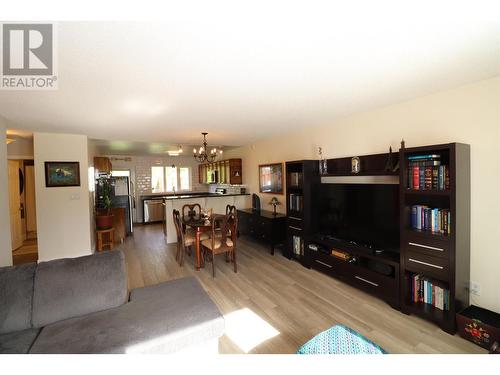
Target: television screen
367,214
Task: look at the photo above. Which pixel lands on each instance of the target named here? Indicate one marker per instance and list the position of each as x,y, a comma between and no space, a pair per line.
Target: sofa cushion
18,342
160,319
16,296
67,288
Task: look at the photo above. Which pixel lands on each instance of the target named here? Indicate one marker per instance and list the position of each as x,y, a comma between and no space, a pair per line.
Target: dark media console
362,267
428,273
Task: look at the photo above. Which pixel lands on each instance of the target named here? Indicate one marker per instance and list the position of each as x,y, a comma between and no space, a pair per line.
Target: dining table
200,223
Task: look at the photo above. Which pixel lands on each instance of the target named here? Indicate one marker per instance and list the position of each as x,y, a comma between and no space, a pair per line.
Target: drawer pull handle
295,218
425,246
294,228
366,281
425,263
323,263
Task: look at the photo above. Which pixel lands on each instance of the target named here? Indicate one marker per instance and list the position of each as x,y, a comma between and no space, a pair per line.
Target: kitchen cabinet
221,172
102,164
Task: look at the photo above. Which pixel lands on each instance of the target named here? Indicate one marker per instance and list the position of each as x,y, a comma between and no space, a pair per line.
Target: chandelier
202,154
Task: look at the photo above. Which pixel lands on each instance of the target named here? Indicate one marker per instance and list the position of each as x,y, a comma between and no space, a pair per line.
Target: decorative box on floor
340,340
480,326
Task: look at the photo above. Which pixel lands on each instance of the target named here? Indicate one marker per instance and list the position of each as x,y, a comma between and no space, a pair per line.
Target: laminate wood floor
297,302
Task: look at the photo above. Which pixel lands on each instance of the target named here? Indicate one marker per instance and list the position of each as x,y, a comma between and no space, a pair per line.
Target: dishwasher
154,210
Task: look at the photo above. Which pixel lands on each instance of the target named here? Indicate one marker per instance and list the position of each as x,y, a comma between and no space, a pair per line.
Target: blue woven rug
340,340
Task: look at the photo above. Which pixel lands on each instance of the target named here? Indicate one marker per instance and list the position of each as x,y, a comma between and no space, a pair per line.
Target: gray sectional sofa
81,305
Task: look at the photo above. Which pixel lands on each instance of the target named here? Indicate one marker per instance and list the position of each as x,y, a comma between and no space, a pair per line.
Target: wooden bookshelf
443,258
302,179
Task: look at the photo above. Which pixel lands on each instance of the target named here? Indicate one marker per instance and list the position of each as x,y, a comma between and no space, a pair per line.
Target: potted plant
104,218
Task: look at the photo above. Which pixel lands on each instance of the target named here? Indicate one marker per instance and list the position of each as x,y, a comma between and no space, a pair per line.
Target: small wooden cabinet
262,225
221,172
102,164
119,223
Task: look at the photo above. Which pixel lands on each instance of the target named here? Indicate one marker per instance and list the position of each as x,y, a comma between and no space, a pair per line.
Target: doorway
22,210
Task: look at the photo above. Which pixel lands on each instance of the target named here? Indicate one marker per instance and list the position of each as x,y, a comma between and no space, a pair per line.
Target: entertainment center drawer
373,282
293,230
433,245
295,222
327,263
428,265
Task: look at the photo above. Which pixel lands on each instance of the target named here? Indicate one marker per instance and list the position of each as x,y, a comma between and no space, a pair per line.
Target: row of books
436,220
296,202
296,179
425,172
298,245
425,290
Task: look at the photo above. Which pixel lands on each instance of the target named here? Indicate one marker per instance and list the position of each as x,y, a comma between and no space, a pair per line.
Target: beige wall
468,114
22,148
5,242
63,214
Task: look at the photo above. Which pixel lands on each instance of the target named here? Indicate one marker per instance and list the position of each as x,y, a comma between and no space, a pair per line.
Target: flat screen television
367,214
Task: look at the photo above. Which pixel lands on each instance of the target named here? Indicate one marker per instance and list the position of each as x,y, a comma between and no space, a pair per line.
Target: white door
16,227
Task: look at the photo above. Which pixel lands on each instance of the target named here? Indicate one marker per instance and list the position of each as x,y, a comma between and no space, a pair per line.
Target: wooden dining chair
223,240
191,209
184,240
230,209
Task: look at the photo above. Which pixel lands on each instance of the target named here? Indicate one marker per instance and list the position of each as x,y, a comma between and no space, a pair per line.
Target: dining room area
203,233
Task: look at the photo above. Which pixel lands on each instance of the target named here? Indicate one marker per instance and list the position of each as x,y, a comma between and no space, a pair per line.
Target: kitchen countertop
188,195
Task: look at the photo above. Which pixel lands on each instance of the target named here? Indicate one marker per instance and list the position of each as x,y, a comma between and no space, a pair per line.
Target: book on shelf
425,172
426,290
435,220
298,245
295,179
296,202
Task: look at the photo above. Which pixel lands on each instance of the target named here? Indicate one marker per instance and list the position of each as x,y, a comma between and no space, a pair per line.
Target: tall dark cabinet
302,180
435,231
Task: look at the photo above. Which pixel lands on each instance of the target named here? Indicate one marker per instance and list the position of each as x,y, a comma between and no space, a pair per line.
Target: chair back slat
191,210
225,224
178,226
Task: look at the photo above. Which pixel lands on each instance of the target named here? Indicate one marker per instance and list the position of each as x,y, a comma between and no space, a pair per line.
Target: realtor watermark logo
28,56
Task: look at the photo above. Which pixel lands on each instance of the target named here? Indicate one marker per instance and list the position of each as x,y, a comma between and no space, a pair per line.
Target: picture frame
62,173
271,178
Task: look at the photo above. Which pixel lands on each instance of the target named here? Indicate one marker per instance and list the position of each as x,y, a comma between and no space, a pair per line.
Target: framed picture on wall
62,173
271,178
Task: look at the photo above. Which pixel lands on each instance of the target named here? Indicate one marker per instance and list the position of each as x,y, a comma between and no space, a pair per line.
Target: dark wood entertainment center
439,259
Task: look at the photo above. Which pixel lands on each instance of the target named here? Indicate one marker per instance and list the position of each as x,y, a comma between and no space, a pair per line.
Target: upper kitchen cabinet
221,172
102,164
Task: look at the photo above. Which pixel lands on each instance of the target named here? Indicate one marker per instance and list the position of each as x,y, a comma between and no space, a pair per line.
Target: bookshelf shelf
444,193
441,258
302,179
428,234
428,312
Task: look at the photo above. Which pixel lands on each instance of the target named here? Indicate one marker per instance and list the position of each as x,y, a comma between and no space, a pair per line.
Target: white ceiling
247,73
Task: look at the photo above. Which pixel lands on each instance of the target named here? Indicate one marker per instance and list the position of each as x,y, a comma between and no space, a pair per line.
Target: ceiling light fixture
202,155
175,152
